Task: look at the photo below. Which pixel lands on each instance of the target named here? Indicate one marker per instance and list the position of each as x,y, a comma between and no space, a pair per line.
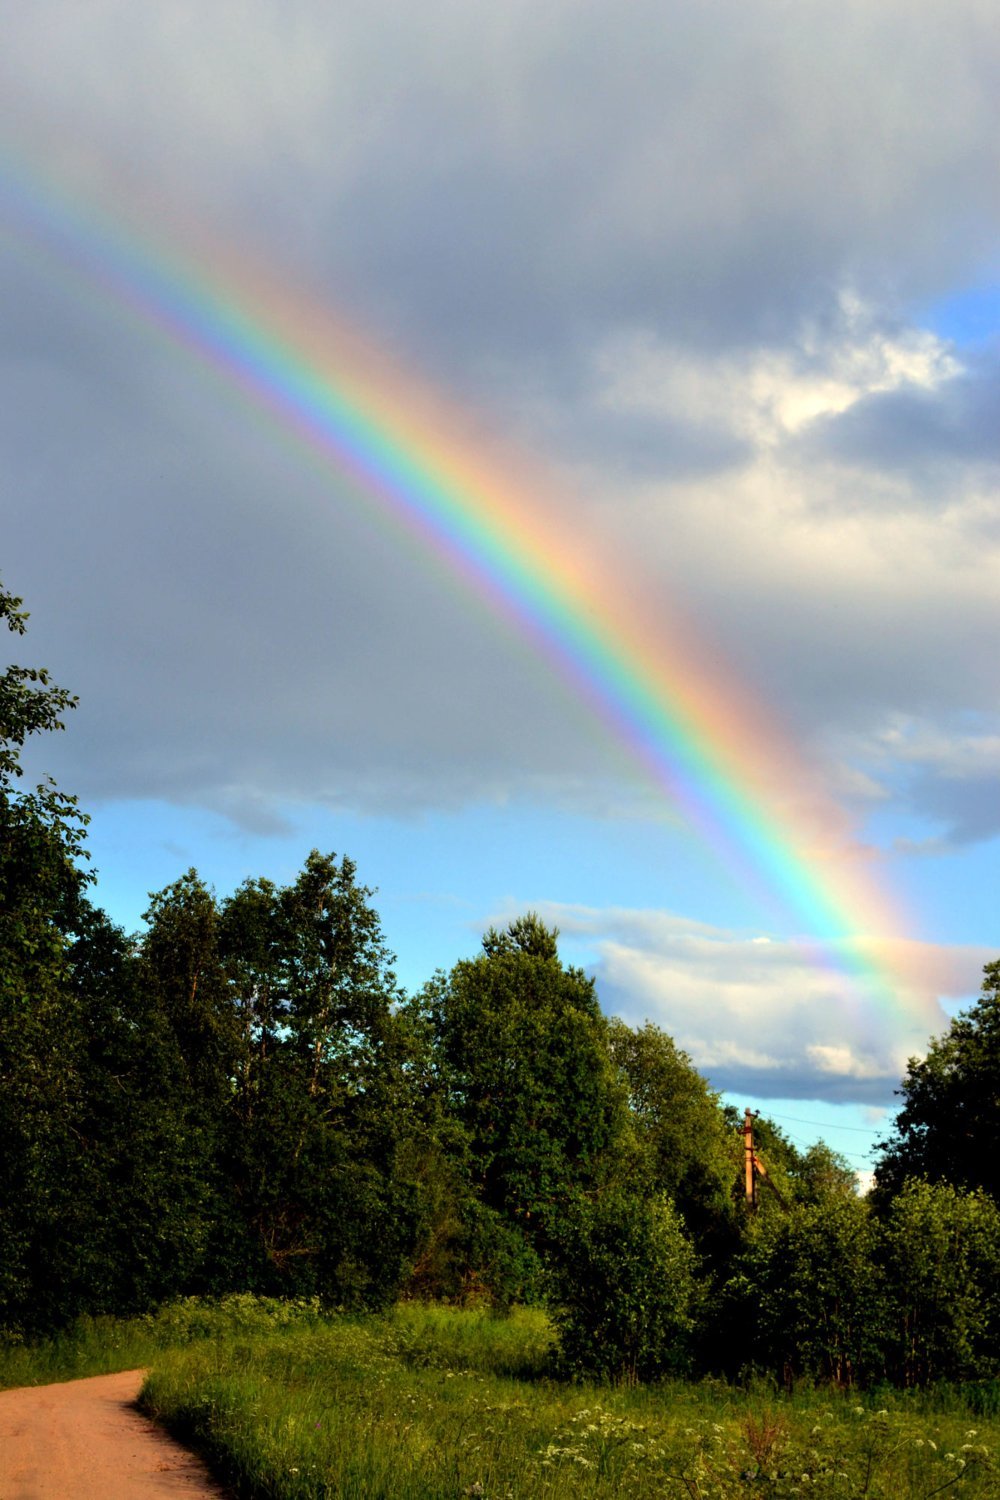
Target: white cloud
767,394
761,1017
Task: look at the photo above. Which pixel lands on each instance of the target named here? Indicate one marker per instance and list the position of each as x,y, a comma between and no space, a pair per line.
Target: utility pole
749,1162
754,1167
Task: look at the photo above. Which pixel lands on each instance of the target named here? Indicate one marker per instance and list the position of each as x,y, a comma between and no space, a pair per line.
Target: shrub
624,1290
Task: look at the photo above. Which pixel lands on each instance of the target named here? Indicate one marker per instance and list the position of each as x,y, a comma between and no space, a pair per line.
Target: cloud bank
756,1015
678,254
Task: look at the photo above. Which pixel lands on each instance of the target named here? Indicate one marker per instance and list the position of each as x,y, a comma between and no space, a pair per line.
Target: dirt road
84,1440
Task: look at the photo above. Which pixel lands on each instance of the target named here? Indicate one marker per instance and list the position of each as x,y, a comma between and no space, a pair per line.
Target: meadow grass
101,1346
429,1403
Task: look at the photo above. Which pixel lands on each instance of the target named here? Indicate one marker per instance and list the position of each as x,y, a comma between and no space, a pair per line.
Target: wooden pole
751,1176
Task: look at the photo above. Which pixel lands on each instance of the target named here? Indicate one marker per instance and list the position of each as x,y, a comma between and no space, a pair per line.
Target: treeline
241,1098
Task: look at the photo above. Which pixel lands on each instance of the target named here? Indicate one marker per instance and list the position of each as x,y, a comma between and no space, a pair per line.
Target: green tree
624,1288
690,1151
806,1296
139,1215
942,1257
948,1126
820,1173
322,1116
521,1048
41,889
188,1010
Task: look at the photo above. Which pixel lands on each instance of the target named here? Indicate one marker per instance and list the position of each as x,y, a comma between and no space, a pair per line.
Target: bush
943,1265
807,1295
623,1290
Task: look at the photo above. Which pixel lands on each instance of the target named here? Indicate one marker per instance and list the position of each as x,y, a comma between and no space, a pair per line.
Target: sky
711,295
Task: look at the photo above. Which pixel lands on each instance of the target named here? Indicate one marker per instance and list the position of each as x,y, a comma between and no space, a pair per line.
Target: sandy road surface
84,1440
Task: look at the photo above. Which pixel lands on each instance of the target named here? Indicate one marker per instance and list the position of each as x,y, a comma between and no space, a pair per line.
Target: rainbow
415,460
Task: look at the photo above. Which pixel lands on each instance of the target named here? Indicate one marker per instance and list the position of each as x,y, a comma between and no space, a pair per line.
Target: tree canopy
948,1126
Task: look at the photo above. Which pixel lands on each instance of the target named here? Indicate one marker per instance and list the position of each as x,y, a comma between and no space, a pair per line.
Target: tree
624,1288
942,1256
142,1201
806,1296
325,1188
41,887
521,1046
691,1152
949,1124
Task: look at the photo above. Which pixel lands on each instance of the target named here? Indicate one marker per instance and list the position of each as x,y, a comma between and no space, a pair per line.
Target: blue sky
700,266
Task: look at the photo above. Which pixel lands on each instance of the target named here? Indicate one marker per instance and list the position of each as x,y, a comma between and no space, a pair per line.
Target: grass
100,1346
429,1402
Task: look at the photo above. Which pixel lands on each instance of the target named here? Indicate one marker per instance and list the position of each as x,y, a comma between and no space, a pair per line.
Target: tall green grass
432,1402
100,1346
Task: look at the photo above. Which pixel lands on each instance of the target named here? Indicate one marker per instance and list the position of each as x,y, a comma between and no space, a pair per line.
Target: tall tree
942,1257
143,1203
41,887
692,1153
949,1124
523,1051
321,1109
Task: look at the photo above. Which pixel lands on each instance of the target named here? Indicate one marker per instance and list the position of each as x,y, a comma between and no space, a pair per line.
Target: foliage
624,1288
806,1297
520,1045
322,1123
947,1128
690,1152
942,1253
416,1405
41,886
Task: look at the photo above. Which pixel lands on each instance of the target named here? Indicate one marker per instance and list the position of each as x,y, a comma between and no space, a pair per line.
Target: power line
823,1124
848,1155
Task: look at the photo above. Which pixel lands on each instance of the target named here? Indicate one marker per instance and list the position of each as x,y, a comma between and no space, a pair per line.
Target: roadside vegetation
425,1402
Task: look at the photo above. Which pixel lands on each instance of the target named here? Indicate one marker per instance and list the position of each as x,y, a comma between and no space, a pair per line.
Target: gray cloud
924,433
967,807
505,184
506,195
